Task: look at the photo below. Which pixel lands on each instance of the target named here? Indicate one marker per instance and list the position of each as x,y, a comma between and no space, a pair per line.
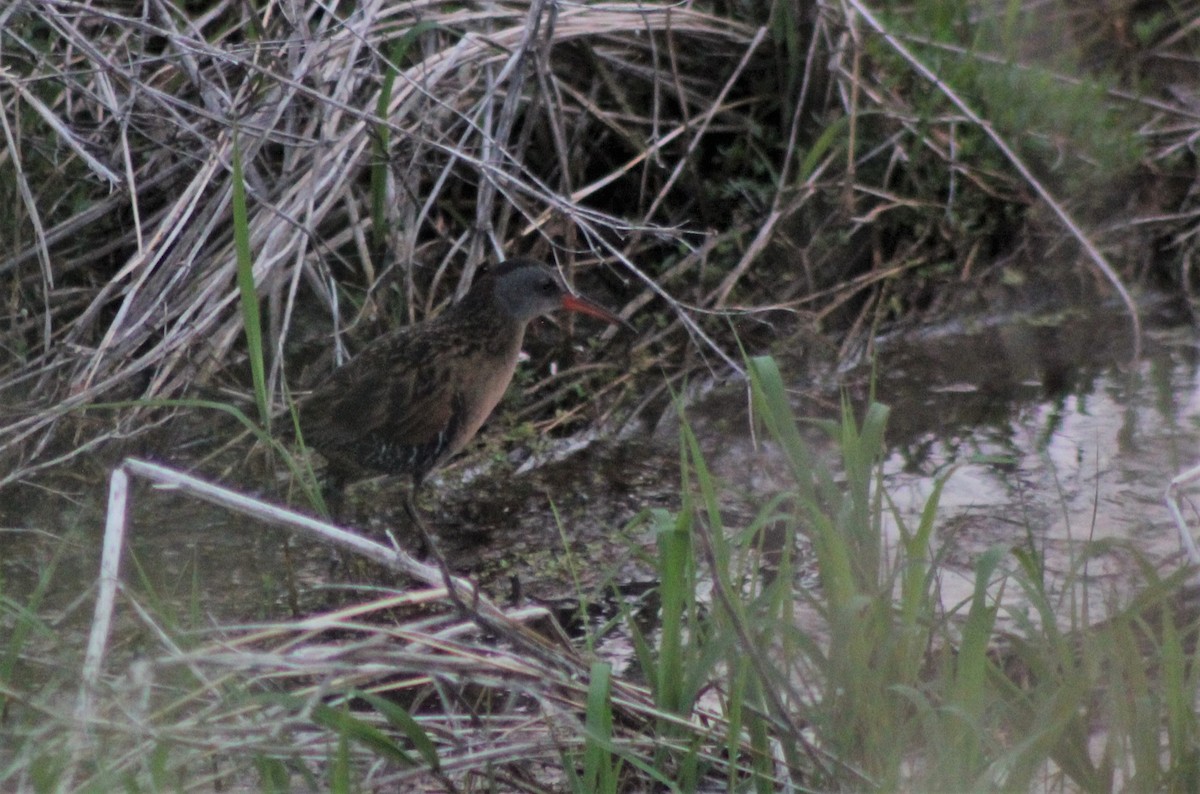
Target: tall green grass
895,688
251,315
758,680
382,146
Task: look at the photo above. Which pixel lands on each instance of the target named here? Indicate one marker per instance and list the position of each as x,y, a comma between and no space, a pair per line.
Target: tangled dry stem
609,138
489,692
482,115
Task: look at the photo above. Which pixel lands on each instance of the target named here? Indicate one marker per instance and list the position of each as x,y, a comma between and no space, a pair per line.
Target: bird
413,398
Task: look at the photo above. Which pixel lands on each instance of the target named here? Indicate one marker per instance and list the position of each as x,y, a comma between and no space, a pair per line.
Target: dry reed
668,156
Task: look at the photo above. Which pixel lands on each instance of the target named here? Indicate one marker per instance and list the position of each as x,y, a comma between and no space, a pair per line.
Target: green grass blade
599,769
771,404
833,133
674,560
339,766
343,723
972,654
399,718
272,775
383,133
251,318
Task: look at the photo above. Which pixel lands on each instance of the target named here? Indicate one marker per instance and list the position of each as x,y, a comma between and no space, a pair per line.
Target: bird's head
524,289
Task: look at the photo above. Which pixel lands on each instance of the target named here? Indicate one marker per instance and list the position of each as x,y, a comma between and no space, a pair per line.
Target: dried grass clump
496,143
836,166
431,688
487,714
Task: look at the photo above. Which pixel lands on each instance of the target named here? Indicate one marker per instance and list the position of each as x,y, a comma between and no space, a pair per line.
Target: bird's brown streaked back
416,396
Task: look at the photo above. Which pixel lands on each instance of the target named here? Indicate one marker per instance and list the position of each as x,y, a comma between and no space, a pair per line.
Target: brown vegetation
750,168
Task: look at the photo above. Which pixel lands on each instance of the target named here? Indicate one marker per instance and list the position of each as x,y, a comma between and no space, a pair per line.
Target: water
1049,436
1061,446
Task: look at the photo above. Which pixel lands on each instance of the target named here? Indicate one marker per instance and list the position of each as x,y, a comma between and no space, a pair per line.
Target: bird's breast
483,381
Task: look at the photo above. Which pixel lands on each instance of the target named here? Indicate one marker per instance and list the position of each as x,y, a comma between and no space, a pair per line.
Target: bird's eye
548,287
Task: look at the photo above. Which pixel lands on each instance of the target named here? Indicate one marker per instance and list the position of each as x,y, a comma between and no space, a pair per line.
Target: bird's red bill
574,303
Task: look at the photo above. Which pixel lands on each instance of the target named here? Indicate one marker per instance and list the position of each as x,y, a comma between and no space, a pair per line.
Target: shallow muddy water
1050,438
1049,435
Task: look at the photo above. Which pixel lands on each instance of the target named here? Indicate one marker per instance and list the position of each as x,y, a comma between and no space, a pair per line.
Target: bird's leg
429,547
425,540
334,493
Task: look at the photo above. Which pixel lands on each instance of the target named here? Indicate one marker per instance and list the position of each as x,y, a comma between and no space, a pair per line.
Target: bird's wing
391,407
424,412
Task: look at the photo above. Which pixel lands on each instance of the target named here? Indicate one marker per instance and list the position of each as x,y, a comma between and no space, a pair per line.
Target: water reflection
1082,452
1049,436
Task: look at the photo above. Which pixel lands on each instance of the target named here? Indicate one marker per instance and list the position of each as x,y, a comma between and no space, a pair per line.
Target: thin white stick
1186,539
394,559
110,566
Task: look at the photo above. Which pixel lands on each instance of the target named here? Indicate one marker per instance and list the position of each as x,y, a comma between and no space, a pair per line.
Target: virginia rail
415,397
